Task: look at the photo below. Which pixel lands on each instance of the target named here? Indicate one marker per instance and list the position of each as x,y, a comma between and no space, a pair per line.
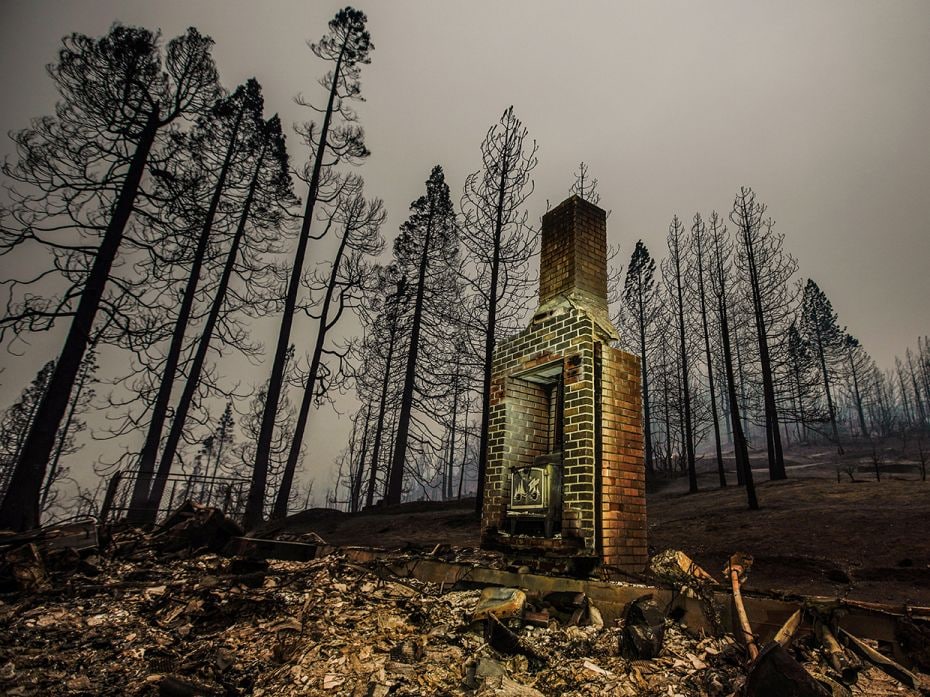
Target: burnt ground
865,540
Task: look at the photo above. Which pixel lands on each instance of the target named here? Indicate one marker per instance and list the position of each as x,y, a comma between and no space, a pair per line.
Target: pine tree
115,98
427,252
827,339
719,276
267,194
673,272
641,307
347,46
358,223
700,258
500,246
765,269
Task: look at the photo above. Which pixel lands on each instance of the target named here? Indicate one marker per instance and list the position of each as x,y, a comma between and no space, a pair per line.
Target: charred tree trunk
802,433
20,508
200,355
287,478
256,500
688,434
490,335
447,493
857,396
355,495
396,476
138,509
464,454
740,448
773,435
55,463
826,386
721,473
382,410
647,423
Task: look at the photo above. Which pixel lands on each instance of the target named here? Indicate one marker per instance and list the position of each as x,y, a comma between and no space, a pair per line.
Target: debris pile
161,614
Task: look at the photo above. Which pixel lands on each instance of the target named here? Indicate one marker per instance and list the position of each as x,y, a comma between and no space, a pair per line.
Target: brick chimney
565,473
573,260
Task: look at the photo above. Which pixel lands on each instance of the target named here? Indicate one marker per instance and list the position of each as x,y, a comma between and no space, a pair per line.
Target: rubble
141,617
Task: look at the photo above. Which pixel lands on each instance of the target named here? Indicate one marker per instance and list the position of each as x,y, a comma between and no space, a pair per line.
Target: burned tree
585,186
719,271
427,252
267,193
699,254
765,270
347,46
860,367
673,270
641,305
381,349
500,246
358,222
802,366
116,100
213,146
827,339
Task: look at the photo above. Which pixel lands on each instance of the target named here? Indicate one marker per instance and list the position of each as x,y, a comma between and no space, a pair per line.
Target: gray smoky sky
822,107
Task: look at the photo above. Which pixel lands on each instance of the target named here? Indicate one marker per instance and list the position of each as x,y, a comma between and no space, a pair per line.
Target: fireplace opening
535,503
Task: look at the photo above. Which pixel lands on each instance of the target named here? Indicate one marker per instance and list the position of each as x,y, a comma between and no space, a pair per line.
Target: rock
643,630
489,668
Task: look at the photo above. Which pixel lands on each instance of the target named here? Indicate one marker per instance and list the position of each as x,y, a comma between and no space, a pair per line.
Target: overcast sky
822,107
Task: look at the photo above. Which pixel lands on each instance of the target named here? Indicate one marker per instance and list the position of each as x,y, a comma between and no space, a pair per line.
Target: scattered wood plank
882,662
785,635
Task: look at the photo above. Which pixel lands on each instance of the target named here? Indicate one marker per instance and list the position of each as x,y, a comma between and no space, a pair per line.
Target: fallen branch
836,656
882,662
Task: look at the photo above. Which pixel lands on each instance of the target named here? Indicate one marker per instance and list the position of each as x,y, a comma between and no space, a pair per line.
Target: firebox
536,493
565,452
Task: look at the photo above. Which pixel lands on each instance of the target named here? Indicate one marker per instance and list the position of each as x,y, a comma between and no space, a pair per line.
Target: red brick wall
623,479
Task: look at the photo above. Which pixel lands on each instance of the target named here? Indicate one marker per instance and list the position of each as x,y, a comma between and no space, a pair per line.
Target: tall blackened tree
382,348
827,339
804,394
500,246
359,223
719,269
268,192
860,367
674,274
427,252
283,432
347,46
641,308
699,256
765,269
116,99
213,147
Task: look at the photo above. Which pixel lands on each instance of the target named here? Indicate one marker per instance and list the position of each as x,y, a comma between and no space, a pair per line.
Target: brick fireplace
565,451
